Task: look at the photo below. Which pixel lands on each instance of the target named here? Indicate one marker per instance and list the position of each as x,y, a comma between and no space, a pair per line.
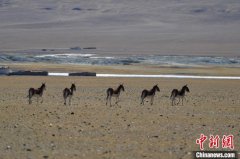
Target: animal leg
178,101
70,98
64,101
42,100
185,99
117,100
107,99
182,100
152,100
175,101
142,101
29,100
110,99
142,98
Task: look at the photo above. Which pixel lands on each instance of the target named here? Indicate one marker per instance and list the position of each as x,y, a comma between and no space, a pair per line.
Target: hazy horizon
167,27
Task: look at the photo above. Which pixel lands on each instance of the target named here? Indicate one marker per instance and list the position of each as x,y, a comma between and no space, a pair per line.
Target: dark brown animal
68,93
36,93
114,93
151,94
179,94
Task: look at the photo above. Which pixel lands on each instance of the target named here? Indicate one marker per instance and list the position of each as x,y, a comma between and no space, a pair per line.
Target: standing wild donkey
115,93
36,93
68,93
179,94
151,94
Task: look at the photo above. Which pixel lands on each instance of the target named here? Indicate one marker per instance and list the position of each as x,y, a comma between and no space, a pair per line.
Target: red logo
227,141
214,141
201,140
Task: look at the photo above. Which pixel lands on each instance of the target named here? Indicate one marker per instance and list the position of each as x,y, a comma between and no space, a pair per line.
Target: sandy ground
90,129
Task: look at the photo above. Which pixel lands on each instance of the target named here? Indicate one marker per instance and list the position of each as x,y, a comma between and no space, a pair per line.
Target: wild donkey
36,92
179,94
151,94
115,93
68,93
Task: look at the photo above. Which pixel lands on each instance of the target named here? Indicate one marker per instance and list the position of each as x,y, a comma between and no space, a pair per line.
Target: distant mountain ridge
162,26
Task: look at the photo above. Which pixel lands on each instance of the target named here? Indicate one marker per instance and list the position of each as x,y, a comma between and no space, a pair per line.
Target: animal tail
28,94
65,93
107,95
172,95
142,95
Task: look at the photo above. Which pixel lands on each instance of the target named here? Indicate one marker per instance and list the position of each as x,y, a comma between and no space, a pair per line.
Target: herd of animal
68,93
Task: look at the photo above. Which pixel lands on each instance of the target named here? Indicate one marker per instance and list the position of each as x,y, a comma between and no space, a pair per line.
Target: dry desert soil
89,129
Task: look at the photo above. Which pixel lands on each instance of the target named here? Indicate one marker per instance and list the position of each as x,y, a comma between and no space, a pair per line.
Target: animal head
156,88
73,87
121,87
43,86
186,88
